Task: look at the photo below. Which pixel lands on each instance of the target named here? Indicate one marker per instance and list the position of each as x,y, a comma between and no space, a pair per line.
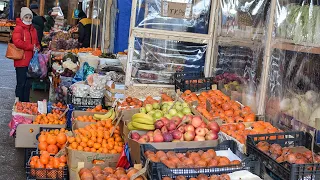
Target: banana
143,116
113,115
104,116
142,126
130,127
143,121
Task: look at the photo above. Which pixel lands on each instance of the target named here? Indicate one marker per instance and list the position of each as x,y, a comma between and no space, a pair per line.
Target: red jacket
24,37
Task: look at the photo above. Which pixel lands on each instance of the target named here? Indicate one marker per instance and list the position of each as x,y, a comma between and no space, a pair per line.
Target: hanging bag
13,52
34,69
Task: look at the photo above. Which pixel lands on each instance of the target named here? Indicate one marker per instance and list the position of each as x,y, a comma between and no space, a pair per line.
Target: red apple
200,131
151,138
181,128
176,134
206,130
196,121
176,140
214,126
142,141
182,138
158,124
135,136
164,129
187,118
167,137
164,120
199,138
171,126
145,137
203,125
188,127
158,138
157,131
150,133
189,135
177,120
211,136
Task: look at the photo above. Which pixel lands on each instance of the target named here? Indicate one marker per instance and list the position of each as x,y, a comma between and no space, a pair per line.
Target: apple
150,133
167,137
188,127
151,113
158,138
157,131
187,118
135,136
164,120
158,124
199,138
151,138
182,138
164,129
200,131
156,106
149,107
196,121
176,134
143,110
180,114
211,136
168,116
145,137
206,130
181,128
164,107
189,135
173,112
171,126
142,141
203,125
157,115
178,107
186,110
214,126
184,104
176,140
177,120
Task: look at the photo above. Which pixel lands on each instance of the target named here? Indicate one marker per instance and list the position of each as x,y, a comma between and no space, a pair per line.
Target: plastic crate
284,170
154,169
27,154
83,103
45,174
193,81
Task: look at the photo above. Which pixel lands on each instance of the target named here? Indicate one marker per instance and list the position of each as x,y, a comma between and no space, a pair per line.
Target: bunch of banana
110,115
141,121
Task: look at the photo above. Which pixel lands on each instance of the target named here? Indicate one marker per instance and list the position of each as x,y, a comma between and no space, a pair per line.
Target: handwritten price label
176,10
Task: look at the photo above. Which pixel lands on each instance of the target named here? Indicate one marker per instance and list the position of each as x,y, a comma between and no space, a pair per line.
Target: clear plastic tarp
155,14
155,61
97,23
293,89
241,44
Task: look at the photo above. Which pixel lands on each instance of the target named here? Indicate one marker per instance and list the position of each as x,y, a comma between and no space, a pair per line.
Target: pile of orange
108,173
166,98
97,52
240,132
200,159
27,108
221,106
50,118
59,105
52,141
44,166
98,108
130,103
85,118
96,138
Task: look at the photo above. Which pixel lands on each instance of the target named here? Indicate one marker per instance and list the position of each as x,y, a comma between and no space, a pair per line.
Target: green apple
149,107
178,103
168,116
151,113
186,110
180,114
170,103
185,104
143,110
156,106
173,112
157,115
164,106
178,107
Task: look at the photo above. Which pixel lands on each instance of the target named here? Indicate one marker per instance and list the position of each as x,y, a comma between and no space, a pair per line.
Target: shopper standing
49,22
38,24
84,30
24,37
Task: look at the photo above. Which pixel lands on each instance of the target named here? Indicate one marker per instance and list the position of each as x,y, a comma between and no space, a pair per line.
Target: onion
285,104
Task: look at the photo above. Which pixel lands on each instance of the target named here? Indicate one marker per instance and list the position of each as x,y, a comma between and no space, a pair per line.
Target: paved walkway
11,159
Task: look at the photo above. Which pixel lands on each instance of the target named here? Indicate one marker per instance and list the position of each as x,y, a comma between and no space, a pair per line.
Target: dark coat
85,32
24,37
49,24
38,23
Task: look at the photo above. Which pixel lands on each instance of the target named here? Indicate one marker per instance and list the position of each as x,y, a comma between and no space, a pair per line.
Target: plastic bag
15,121
124,160
43,59
83,73
34,69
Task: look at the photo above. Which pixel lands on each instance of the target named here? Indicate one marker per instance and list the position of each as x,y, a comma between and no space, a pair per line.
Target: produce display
187,128
107,173
52,141
46,166
97,52
239,131
59,105
200,159
111,114
98,108
221,106
287,154
200,177
97,138
136,103
26,108
50,118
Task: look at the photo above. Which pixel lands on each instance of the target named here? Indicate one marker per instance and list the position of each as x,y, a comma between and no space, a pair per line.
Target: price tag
176,10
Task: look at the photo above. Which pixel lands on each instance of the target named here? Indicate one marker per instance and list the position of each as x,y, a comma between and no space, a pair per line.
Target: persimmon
61,138
52,149
43,146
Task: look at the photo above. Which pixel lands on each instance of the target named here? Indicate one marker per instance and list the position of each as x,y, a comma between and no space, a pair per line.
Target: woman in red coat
24,37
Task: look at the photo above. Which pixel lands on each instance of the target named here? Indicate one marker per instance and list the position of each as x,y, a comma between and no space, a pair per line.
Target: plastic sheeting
155,61
149,15
293,89
241,44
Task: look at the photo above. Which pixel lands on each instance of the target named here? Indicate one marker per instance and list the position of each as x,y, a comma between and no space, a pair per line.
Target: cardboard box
115,87
135,146
78,124
26,134
85,159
